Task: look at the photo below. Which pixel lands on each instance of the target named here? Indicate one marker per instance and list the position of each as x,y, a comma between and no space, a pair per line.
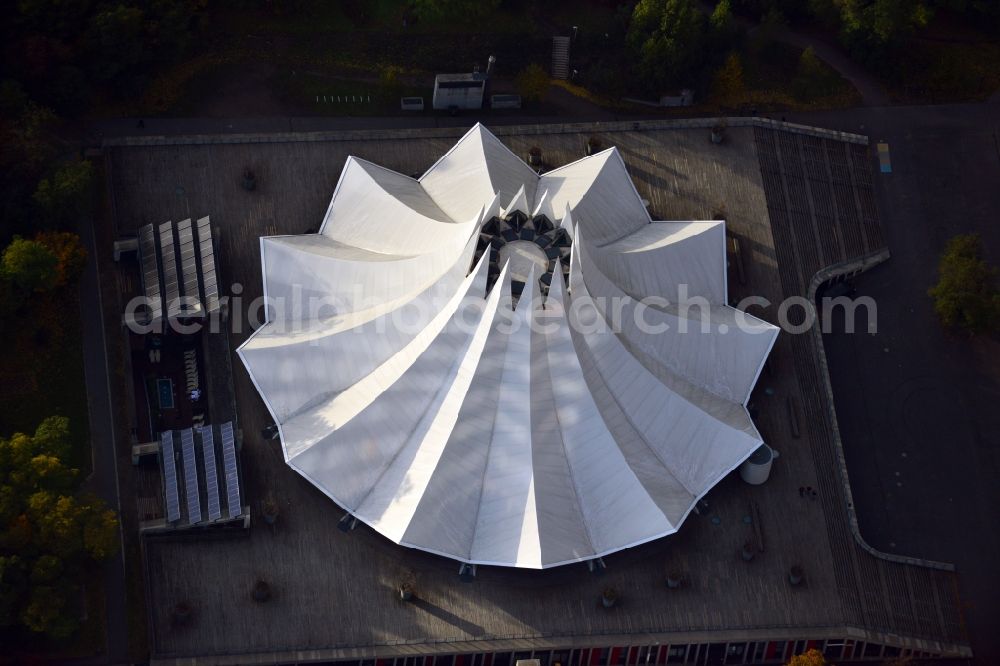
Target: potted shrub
249,180
593,145
261,591
534,156
719,132
270,511
609,597
747,551
407,586
796,575
675,579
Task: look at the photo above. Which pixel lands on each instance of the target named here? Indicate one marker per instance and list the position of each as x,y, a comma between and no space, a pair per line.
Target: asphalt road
919,407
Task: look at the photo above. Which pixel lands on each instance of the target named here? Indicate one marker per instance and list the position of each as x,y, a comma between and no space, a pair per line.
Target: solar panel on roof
171,285
191,476
211,472
170,476
229,466
150,271
206,251
189,270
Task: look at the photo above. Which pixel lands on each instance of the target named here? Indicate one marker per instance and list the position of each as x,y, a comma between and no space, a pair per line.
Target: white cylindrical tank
757,467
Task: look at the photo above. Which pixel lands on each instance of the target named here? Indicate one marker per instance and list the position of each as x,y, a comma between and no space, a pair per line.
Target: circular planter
756,469
261,592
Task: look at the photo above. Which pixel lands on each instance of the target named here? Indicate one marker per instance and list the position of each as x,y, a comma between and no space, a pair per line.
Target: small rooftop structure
178,270
201,478
459,91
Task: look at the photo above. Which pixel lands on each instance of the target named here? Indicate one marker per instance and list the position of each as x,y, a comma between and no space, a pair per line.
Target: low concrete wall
500,130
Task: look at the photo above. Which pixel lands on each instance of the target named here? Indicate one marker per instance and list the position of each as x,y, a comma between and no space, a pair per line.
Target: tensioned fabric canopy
455,411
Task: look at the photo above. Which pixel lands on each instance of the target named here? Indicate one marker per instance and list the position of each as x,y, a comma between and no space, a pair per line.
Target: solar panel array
209,280
191,306
191,476
211,473
150,271
170,476
171,284
229,465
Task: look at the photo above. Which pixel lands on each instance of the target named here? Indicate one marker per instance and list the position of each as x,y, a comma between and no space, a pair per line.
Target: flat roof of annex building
335,593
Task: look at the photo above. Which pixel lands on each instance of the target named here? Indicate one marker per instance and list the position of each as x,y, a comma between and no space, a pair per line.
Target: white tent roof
447,419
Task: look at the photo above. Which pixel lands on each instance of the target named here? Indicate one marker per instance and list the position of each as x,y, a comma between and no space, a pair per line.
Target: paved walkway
104,479
917,405
872,93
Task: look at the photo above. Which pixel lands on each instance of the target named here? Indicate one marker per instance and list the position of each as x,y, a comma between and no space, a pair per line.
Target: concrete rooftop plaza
798,201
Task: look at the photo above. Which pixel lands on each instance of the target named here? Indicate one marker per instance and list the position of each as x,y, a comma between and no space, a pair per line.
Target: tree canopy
813,78
30,265
532,83
868,26
67,195
70,255
811,657
727,84
966,295
666,36
49,533
453,9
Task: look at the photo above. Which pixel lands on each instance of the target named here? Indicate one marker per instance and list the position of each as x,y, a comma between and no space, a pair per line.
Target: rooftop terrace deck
797,203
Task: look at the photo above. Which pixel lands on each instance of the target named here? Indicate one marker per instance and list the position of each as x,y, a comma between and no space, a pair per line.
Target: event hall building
506,368
495,410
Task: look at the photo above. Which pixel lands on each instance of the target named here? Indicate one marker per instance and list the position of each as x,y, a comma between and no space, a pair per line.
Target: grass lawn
769,76
944,71
335,96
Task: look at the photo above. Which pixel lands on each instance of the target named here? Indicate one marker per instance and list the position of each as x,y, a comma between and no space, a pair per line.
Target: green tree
70,254
869,27
29,139
46,569
966,295
50,535
61,18
48,611
389,81
100,530
727,84
453,9
13,100
666,36
117,41
30,265
812,657
532,83
723,25
68,194
813,78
